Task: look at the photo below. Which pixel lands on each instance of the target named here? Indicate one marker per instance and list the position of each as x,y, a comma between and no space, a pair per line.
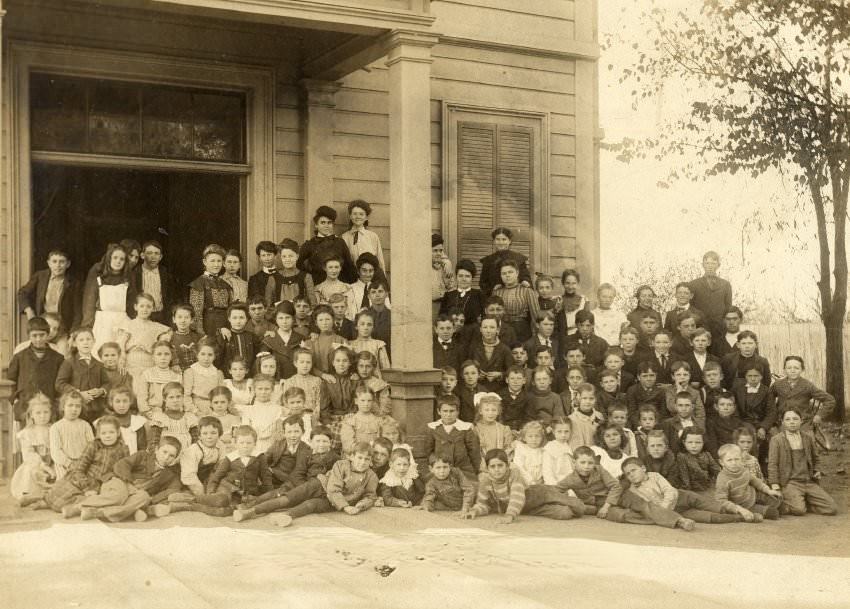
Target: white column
412,376
318,156
409,62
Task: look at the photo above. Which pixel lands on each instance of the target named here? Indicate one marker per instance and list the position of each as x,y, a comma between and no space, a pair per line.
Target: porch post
413,376
318,157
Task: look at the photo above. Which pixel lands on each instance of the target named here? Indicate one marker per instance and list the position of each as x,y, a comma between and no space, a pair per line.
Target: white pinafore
111,312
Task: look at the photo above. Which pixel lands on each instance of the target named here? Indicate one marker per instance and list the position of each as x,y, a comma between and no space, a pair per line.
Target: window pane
58,120
114,119
167,123
218,127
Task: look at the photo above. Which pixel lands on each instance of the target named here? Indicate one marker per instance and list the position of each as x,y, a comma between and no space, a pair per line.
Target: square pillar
413,377
318,156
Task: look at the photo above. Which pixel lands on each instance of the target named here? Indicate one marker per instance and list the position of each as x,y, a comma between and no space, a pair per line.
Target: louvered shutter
494,186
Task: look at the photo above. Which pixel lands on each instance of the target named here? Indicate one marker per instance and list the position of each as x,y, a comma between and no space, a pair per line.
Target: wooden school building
230,121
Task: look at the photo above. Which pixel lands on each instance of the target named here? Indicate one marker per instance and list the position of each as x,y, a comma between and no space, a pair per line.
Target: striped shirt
520,304
506,496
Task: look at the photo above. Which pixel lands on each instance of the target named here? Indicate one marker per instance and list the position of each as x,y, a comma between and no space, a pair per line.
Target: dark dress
316,251
491,273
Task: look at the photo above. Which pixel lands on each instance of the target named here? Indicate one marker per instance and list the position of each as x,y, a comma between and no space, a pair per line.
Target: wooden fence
807,340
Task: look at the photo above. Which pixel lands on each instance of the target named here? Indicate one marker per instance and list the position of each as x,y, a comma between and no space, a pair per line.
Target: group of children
242,406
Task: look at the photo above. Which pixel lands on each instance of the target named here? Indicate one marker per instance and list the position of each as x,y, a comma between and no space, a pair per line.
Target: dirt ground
390,557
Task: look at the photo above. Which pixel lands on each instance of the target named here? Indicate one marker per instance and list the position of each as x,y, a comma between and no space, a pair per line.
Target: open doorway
82,209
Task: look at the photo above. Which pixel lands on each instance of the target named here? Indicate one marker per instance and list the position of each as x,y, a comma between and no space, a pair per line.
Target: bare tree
767,92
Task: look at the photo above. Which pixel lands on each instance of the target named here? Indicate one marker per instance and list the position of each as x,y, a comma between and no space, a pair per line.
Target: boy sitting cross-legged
736,484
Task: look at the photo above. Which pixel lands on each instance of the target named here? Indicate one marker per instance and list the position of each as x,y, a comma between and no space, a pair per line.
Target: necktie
664,361
364,303
356,236
269,296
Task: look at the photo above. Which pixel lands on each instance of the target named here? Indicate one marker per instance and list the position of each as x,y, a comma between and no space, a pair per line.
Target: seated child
610,448
34,369
109,354
618,415
558,460
608,393
288,457
528,452
690,507
134,427
465,391
646,391
139,480
575,377
502,489
597,490
70,435
172,420
184,339
350,487
660,459
263,416
491,433
647,421
792,468
756,407
794,391
737,485
447,488
221,403
543,404
381,449
148,387
340,394
681,377
83,373
515,409
401,485
323,456
34,476
241,388
697,468
744,439
675,427
719,428
586,419
453,440
312,386
200,378
239,475
363,425
200,459
90,471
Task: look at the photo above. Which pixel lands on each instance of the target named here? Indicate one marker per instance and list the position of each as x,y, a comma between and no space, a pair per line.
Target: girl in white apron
106,296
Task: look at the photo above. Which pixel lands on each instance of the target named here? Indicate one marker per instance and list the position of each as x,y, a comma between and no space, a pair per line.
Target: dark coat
32,295
288,470
472,304
314,252
712,302
460,448
452,354
255,478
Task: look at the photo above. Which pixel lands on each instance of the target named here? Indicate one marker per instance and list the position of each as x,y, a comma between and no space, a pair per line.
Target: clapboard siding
288,163
507,22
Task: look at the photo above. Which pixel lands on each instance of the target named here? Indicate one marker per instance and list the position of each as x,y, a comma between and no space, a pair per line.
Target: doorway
82,209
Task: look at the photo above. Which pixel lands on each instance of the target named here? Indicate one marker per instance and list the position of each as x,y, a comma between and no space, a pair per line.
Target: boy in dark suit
683,297
592,346
661,356
448,350
726,341
34,369
712,294
154,279
53,290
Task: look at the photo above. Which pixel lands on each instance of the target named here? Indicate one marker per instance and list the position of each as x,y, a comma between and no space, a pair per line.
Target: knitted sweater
505,496
455,492
738,488
345,487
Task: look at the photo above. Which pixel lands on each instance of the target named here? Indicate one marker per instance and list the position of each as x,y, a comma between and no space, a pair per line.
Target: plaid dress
92,469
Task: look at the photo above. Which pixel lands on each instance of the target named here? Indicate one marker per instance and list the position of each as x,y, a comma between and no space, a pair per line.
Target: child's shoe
90,513
160,510
28,500
757,517
281,519
241,514
686,524
771,513
71,511
140,515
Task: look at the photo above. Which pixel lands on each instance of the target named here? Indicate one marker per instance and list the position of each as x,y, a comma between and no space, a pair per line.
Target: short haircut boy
294,419
210,421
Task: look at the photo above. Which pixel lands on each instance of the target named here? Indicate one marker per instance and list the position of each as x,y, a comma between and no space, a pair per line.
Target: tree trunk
834,327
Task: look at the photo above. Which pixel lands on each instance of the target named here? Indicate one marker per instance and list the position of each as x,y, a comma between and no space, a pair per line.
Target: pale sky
642,221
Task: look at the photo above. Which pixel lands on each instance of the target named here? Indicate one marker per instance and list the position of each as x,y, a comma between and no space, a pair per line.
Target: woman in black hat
315,251
492,264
